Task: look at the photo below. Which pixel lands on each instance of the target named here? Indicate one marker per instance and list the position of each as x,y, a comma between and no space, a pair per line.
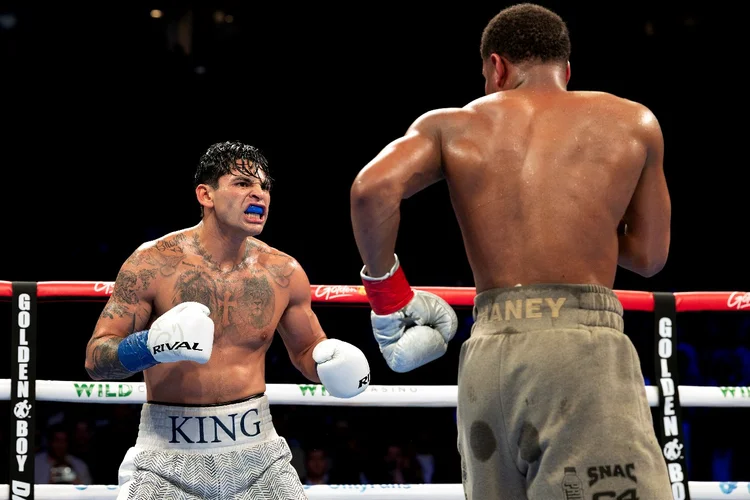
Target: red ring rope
456,296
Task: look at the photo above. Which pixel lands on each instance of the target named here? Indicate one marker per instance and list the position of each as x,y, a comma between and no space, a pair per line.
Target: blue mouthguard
252,209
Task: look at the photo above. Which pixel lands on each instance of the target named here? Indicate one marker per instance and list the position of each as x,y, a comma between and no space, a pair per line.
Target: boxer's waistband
541,307
206,428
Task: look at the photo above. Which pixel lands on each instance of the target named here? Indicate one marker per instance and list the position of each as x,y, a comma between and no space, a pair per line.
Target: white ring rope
376,395
698,491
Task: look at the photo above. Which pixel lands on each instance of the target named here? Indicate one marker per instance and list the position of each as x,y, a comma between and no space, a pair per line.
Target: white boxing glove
343,369
184,333
412,327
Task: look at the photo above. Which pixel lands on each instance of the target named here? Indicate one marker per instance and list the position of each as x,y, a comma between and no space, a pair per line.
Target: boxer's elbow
101,356
648,268
91,369
93,375
642,257
88,364
370,190
654,262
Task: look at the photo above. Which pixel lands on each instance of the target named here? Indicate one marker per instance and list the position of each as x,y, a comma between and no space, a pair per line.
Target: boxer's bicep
405,166
128,310
299,327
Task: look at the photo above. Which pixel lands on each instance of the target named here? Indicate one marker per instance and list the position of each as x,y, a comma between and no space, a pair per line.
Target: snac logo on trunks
196,430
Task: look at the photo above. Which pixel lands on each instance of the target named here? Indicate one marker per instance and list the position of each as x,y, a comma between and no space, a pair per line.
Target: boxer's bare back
247,302
540,179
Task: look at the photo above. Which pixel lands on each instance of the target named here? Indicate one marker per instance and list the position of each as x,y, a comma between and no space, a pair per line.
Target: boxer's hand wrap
343,369
418,331
184,333
134,353
387,294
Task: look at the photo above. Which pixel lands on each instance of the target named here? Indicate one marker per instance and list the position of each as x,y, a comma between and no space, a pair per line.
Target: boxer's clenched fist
184,333
343,369
411,327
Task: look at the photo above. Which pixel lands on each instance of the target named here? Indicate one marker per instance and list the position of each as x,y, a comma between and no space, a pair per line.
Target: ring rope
698,491
456,296
434,396
378,395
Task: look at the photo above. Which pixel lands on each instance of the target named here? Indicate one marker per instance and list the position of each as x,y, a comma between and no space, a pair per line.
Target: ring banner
669,423
23,389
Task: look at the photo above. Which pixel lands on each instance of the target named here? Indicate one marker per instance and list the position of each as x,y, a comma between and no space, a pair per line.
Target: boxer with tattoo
195,311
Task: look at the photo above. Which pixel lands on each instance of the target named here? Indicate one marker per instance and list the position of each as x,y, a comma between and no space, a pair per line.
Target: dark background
106,111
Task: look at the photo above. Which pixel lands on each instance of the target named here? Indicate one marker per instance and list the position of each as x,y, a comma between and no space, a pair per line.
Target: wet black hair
221,159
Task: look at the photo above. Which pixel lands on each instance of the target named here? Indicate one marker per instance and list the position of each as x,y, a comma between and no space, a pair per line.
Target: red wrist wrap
389,295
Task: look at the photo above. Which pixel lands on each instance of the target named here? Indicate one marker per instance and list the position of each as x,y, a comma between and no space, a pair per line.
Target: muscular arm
403,168
299,327
644,245
128,310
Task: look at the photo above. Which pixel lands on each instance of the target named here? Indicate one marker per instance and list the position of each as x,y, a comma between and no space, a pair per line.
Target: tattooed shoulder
125,290
134,278
171,243
279,265
264,248
162,258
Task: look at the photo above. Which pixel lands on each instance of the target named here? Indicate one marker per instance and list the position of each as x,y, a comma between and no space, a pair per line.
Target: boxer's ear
501,69
205,195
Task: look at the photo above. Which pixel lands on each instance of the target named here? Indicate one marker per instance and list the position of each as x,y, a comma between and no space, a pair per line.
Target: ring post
23,389
669,426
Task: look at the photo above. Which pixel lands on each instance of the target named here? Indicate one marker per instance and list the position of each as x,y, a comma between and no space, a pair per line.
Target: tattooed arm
128,310
299,327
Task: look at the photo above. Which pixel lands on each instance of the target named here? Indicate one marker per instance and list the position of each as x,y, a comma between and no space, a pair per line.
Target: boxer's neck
538,76
224,249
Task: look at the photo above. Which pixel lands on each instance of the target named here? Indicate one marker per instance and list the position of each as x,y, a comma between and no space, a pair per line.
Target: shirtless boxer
196,310
540,179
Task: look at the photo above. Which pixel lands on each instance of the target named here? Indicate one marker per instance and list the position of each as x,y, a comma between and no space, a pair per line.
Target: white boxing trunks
201,452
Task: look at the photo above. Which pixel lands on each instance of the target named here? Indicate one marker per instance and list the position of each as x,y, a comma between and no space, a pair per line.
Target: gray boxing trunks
201,452
552,402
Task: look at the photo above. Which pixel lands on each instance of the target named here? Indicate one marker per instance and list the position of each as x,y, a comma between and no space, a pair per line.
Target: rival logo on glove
175,346
342,368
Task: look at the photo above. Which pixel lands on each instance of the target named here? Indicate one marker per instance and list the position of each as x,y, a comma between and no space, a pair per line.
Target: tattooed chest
243,305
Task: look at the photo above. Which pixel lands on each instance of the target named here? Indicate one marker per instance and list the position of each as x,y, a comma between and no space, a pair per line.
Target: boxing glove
342,368
184,333
412,327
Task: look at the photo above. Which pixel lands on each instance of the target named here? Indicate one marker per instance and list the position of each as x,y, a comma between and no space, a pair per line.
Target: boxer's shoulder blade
540,181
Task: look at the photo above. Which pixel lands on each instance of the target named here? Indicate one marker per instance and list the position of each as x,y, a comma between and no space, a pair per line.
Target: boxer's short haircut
221,159
526,32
